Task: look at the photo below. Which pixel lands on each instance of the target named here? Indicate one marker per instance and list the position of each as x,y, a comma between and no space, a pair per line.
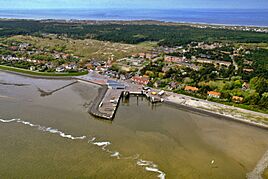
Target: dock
110,94
106,103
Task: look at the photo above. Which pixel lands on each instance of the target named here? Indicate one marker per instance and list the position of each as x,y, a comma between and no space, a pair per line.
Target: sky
133,4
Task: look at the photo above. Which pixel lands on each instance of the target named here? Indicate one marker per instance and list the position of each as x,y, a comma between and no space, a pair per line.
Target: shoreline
218,110
26,73
216,115
259,169
177,101
133,21
38,76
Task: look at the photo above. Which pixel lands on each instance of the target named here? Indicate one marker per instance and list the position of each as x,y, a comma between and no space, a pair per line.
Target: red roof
140,80
190,88
214,93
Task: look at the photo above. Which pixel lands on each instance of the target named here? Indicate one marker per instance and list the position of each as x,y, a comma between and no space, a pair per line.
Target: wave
147,165
257,172
152,167
44,129
8,121
6,97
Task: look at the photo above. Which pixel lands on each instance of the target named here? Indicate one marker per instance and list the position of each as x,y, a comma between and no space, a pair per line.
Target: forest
166,35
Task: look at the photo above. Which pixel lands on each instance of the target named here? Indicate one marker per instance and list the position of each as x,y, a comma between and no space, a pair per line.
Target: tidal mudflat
53,136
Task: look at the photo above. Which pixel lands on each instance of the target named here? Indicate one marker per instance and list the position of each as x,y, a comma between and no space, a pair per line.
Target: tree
252,97
264,100
260,84
187,80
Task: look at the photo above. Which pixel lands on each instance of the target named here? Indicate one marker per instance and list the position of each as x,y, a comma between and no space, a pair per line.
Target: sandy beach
238,114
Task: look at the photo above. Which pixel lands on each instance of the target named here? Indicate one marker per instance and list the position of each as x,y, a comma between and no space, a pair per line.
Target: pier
110,94
106,103
48,93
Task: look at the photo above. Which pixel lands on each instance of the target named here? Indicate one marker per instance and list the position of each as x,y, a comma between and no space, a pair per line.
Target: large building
115,84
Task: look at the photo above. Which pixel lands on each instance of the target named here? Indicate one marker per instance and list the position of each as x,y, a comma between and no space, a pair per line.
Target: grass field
34,73
252,45
86,49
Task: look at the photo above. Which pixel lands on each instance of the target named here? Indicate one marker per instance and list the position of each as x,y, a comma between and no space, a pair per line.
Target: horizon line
115,8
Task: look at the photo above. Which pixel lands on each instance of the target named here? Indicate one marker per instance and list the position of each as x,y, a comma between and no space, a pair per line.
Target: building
161,93
214,94
60,69
191,88
237,99
32,68
126,68
248,70
172,59
115,84
145,55
173,85
245,86
215,62
140,80
13,48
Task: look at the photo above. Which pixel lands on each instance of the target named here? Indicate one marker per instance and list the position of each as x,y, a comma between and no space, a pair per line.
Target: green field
252,45
34,73
86,49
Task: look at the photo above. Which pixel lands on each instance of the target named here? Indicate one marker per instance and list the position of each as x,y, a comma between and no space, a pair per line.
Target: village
26,56
161,69
199,69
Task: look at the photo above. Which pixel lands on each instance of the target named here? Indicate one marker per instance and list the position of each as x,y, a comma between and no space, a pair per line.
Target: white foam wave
141,162
260,167
161,175
6,97
44,129
102,144
8,121
28,123
116,154
149,165
152,167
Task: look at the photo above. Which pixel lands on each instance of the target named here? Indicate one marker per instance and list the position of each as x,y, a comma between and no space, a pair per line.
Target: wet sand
265,175
53,137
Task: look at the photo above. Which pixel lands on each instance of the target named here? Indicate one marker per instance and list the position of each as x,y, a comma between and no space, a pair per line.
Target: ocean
54,136
252,17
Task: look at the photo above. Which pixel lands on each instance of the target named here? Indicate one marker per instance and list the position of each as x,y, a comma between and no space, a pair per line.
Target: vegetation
85,49
233,63
132,34
259,57
20,70
211,78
